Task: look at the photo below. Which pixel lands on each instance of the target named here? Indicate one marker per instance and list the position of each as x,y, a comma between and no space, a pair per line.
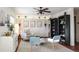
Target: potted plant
11,27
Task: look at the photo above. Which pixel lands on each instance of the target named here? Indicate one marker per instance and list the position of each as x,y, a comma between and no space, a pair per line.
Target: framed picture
26,24
32,24
2,18
39,23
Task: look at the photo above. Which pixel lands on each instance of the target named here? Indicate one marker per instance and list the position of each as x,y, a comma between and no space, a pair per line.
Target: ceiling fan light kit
42,11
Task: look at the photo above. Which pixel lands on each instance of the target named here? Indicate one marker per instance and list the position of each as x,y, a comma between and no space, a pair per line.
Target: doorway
76,24
75,28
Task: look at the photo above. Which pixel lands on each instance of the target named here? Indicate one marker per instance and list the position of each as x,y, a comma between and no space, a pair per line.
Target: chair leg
53,45
31,49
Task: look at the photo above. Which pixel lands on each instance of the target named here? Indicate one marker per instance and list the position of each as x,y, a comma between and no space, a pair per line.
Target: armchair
25,36
56,39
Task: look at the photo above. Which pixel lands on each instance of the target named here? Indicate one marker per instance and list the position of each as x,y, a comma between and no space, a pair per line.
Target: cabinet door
64,29
67,30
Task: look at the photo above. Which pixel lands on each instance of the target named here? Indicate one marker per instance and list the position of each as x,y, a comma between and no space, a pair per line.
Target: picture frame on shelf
26,24
32,23
39,23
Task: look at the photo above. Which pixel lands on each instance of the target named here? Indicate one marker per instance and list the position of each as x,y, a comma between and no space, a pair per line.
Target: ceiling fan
42,10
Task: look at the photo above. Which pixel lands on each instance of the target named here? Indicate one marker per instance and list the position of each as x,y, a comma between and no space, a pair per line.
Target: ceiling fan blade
38,13
45,9
48,11
36,9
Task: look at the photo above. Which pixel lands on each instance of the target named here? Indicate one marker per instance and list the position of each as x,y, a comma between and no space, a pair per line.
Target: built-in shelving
61,26
54,27
64,28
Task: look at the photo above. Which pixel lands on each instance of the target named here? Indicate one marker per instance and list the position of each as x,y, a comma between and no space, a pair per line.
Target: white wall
69,11
37,31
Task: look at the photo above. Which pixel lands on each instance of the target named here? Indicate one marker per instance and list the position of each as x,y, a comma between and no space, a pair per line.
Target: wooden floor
74,48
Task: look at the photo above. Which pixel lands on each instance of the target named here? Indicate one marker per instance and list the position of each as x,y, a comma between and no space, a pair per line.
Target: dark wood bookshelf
54,27
64,28
61,26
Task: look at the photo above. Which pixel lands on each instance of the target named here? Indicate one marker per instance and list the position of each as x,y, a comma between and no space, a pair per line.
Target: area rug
47,47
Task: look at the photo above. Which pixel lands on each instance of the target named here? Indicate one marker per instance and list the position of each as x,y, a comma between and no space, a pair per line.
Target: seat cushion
34,40
23,35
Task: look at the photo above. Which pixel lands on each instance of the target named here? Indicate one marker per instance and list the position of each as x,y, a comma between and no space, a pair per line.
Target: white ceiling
31,11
